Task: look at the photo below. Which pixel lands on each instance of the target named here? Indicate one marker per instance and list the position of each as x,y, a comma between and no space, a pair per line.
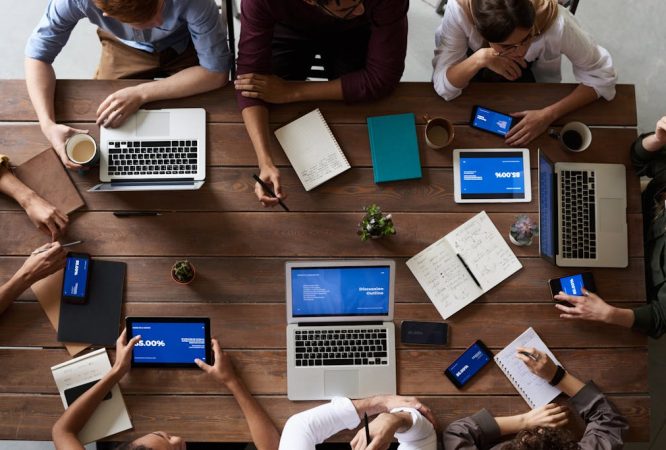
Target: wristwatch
559,374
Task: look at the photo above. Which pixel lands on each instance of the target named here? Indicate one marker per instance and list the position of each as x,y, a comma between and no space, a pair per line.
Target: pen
367,429
268,190
69,244
136,213
529,355
468,271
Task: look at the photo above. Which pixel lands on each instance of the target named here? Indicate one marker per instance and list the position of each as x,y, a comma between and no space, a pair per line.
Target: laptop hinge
556,214
339,324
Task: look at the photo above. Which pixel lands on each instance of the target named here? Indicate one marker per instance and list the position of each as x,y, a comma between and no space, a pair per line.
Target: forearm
41,80
14,188
75,417
570,385
511,424
459,75
256,124
191,81
316,90
579,97
262,429
11,290
623,317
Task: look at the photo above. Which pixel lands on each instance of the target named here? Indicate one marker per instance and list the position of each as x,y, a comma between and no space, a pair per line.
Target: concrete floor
632,30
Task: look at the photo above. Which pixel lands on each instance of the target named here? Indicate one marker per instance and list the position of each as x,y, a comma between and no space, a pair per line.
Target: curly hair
542,438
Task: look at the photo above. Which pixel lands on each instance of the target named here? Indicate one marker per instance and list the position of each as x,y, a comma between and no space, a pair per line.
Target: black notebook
97,321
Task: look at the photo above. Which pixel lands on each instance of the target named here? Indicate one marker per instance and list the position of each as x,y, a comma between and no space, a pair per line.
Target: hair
326,2
132,446
543,438
129,11
497,19
659,206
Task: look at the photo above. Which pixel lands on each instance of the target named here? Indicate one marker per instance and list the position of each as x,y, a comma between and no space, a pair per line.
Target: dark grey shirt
603,431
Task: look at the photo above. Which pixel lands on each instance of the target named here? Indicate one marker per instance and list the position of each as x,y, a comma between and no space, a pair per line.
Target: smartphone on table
490,121
572,285
75,282
424,333
470,363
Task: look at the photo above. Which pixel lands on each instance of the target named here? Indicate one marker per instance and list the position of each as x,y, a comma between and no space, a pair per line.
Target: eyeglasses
505,49
347,14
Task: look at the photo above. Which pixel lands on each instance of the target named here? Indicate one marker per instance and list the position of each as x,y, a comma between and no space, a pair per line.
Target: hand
45,216
660,131
533,124
386,403
222,370
510,67
271,176
269,88
550,415
542,367
120,105
382,430
124,352
57,134
587,307
42,264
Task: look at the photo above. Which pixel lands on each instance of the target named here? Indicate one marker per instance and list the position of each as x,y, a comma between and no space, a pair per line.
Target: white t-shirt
592,64
306,429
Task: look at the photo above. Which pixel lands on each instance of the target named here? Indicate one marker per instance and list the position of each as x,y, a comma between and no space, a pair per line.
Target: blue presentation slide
469,363
572,285
495,175
340,291
492,121
169,342
76,277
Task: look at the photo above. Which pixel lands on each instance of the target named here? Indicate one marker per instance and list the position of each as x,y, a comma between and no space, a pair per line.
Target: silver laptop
156,150
340,333
582,214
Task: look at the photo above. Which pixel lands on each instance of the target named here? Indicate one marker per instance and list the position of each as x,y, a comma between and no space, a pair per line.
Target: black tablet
169,341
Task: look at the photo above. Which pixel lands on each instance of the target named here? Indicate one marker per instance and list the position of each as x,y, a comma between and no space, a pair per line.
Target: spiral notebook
535,390
312,149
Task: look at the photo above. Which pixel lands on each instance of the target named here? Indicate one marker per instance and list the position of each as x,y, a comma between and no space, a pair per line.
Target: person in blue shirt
184,42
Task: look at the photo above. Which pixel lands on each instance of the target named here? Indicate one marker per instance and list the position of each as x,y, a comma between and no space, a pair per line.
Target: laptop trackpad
153,124
341,383
611,215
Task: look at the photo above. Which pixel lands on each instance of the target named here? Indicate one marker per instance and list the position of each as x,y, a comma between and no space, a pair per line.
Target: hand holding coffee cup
81,149
439,132
574,136
58,134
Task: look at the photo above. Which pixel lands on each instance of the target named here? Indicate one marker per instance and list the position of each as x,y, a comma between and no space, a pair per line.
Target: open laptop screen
340,291
547,205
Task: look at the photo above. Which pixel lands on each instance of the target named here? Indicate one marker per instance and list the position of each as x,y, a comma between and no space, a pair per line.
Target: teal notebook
394,147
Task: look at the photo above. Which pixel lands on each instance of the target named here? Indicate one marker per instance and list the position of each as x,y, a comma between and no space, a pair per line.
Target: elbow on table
444,89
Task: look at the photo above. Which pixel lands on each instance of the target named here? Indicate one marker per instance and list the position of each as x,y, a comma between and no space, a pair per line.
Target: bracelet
559,374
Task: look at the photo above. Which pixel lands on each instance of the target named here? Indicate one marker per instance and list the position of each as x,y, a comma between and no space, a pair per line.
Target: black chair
229,7
571,4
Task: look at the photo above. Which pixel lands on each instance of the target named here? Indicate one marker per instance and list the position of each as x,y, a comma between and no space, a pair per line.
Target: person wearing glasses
520,40
184,42
362,43
648,155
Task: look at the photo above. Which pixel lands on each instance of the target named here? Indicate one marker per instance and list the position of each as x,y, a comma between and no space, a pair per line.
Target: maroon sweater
387,47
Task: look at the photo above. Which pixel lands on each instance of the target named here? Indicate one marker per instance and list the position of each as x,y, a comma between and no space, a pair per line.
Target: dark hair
542,438
132,446
497,19
326,2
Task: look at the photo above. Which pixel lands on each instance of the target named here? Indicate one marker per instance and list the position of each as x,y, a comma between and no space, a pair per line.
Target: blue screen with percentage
492,175
174,343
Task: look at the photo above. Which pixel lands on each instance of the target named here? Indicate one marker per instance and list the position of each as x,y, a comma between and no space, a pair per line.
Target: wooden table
239,250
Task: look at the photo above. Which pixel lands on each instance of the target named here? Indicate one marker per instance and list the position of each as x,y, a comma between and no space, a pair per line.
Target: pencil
367,428
268,190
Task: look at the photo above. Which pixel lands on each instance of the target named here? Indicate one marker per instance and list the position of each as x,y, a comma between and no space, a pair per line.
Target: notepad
447,269
535,390
312,149
394,147
74,377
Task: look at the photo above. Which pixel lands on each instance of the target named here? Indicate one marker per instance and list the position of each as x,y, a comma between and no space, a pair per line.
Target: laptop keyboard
579,239
152,158
341,347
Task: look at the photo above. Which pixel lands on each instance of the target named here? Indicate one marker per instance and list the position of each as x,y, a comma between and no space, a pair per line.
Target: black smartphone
572,285
76,279
424,333
494,122
475,358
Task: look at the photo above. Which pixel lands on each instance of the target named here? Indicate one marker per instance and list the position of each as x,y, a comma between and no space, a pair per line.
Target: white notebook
111,415
312,149
447,269
535,390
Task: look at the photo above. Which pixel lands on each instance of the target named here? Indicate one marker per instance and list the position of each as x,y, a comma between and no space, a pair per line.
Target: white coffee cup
81,149
574,136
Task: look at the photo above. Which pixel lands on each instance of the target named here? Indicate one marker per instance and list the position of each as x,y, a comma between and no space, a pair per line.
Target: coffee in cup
81,149
439,132
574,136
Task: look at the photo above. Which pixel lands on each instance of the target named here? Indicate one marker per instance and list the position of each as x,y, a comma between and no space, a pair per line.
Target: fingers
263,197
573,299
217,351
202,365
122,338
135,340
567,309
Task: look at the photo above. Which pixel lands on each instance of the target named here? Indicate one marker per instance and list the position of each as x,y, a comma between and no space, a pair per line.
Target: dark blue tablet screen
174,343
492,121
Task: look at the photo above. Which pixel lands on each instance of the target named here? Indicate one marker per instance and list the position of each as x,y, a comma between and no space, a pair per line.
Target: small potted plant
183,272
375,224
523,230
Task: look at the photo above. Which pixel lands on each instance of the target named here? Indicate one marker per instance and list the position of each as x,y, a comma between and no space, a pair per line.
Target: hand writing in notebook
270,175
537,362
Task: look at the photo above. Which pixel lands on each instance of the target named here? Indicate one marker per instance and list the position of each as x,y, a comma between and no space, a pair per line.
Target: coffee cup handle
554,133
427,117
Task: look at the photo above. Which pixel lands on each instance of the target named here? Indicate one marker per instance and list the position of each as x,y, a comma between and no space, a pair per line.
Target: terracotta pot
194,275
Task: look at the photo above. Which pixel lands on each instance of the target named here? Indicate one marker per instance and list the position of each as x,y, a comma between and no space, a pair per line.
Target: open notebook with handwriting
464,264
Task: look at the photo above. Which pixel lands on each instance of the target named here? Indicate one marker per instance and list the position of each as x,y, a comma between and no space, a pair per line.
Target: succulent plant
523,230
375,224
183,271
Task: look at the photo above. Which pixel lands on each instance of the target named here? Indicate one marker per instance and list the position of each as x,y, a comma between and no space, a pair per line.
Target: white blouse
592,64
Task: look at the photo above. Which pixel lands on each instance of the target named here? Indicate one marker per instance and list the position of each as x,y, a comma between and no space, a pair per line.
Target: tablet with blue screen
491,175
169,341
